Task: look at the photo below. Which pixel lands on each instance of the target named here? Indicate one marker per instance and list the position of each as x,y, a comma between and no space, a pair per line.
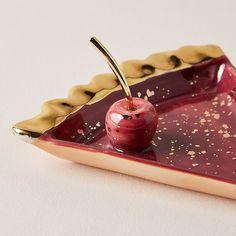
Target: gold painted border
142,170
55,111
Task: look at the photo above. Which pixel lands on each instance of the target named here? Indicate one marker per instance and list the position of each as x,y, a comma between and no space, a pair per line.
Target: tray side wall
138,169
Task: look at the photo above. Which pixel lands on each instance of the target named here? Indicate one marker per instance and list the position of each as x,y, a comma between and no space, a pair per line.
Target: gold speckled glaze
55,111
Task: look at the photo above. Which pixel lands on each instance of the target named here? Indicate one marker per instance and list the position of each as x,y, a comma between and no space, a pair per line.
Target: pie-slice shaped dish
193,90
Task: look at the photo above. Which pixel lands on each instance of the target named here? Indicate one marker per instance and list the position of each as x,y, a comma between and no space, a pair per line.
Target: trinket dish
193,90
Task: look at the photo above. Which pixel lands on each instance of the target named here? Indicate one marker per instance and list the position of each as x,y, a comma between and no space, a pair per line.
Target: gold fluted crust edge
55,111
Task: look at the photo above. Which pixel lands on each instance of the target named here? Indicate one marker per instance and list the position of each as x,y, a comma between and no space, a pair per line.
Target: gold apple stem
115,68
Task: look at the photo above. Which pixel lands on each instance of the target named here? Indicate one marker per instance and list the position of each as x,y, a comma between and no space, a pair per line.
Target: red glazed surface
131,129
196,131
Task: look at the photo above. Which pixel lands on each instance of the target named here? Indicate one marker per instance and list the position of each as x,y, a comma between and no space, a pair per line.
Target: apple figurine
131,129
130,122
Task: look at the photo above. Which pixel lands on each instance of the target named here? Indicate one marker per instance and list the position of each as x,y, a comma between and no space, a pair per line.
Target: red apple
131,129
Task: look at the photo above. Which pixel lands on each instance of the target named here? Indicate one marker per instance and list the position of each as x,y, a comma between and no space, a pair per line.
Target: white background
44,50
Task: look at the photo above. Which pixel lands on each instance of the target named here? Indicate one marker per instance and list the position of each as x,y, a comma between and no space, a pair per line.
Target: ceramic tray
194,147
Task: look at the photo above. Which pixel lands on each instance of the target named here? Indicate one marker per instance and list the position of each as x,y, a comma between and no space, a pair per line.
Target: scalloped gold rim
55,111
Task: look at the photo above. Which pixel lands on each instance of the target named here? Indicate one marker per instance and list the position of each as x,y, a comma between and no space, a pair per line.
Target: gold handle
115,68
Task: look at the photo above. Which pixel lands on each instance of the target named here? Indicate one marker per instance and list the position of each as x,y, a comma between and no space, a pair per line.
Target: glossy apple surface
131,129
